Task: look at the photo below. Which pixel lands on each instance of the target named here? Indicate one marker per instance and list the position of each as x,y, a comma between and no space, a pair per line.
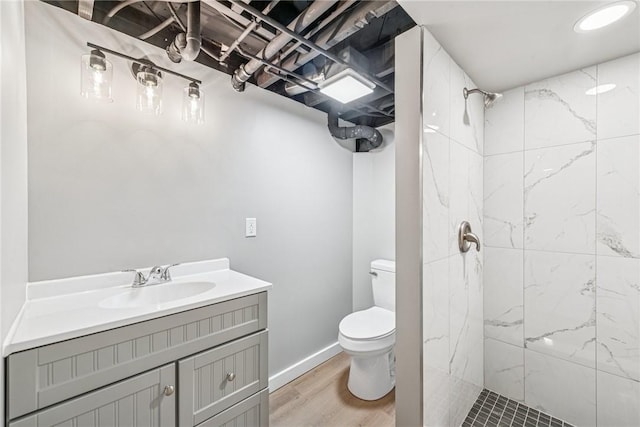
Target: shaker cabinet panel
251,412
214,380
140,401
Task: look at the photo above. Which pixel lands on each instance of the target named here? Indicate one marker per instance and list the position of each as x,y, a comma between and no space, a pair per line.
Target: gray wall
110,188
373,214
13,170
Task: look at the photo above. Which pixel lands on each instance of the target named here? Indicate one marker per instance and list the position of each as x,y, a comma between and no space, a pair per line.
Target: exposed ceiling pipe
306,18
372,136
126,3
334,33
85,9
248,30
187,45
170,20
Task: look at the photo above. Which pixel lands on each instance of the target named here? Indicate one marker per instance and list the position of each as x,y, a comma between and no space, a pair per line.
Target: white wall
562,215
110,188
373,214
13,169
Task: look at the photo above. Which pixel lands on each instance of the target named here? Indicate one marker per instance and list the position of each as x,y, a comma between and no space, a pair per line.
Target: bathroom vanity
121,356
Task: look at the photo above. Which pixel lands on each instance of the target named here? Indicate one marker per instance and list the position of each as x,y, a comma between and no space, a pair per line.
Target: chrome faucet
158,274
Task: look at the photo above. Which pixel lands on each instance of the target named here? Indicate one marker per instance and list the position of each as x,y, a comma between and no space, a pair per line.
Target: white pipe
170,20
126,3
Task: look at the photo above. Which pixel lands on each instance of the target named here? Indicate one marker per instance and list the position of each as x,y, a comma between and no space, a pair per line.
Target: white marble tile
436,388
559,305
618,401
503,295
560,388
504,124
435,315
462,397
503,200
558,111
467,118
436,86
504,369
559,198
618,197
435,197
618,321
465,192
465,322
619,109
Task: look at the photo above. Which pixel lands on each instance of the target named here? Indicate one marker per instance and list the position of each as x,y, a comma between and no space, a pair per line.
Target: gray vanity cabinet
136,402
212,360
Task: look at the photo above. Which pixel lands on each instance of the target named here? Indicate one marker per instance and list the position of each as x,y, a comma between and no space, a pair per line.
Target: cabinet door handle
168,390
231,376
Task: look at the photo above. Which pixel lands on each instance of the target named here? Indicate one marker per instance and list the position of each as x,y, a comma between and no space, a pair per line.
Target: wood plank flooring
321,398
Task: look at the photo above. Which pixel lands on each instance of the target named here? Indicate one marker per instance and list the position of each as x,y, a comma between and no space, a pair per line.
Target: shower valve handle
466,237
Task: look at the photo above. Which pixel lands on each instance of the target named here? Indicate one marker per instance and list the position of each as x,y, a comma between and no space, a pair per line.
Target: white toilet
369,336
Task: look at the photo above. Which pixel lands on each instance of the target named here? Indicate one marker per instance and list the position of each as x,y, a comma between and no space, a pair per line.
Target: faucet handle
165,274
138,278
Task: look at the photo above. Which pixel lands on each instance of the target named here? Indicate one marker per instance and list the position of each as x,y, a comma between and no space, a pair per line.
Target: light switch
251,227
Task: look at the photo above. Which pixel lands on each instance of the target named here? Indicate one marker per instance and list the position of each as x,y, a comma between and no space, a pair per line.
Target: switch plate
250,227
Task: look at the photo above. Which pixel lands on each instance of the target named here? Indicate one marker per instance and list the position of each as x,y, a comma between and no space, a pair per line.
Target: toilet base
370,378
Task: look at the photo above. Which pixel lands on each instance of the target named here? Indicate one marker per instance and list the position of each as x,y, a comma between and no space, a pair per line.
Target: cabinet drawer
47,375
137,402
214,380
251,412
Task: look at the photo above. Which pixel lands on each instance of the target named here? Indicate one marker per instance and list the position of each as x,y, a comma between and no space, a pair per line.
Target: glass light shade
96,77
193,104
149,97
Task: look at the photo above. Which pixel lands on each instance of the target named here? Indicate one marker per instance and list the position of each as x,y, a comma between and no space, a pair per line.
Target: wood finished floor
321,398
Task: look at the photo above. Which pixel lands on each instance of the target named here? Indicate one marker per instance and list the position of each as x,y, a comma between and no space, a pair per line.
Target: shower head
489,97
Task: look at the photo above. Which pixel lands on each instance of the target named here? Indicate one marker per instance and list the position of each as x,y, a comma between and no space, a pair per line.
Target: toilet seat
370,324
368,332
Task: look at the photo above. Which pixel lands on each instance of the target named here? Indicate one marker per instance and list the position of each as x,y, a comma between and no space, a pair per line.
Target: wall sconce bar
143,62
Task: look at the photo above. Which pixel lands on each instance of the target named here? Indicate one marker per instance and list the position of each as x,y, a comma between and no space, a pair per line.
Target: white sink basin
155,294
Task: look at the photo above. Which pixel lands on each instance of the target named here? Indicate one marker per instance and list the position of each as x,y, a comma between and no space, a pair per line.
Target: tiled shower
562,237
549,178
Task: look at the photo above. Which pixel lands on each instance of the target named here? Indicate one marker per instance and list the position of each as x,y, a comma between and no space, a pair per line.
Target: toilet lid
368,324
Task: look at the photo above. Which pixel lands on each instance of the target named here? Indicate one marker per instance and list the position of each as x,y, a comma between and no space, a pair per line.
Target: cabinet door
251,412
214,380
140,401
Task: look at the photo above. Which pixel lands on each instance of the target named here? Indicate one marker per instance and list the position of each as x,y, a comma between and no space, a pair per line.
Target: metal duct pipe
187,45
306,18
372,135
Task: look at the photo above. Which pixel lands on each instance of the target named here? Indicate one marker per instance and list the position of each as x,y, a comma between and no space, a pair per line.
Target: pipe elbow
192,49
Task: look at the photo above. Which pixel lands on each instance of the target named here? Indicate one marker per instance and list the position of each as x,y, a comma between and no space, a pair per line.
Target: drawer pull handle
168,390
231,376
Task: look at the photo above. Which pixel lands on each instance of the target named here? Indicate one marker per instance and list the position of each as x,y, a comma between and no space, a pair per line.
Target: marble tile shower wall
452,192
562,238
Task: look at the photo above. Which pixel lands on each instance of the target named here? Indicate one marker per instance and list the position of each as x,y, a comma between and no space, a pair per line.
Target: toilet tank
383,282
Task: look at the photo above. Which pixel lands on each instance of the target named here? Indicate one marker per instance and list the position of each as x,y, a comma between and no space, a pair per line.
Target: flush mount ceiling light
96,83
603,16
346,86
601,89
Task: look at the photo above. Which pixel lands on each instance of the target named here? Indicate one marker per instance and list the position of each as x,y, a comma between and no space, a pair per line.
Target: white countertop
58,310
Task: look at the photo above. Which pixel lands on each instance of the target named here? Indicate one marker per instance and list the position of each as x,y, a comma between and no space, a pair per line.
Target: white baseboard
305,365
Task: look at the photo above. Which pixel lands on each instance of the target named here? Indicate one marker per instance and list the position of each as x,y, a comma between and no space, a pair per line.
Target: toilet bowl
369,336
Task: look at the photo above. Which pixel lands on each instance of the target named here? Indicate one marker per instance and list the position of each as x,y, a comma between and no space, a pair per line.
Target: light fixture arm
143,62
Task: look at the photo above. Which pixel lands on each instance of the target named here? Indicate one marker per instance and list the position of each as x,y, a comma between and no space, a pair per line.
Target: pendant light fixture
96,77
149,92
193,104
97,74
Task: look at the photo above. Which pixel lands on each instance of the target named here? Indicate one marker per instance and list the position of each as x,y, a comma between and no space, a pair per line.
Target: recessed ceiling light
346,86
603,16
601,89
